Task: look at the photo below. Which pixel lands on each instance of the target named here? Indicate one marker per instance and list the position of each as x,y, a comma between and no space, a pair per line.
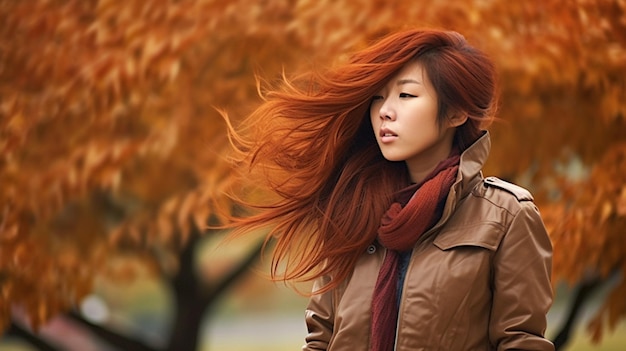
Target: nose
387,112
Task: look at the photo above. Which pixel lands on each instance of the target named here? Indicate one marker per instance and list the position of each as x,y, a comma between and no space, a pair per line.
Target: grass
612,341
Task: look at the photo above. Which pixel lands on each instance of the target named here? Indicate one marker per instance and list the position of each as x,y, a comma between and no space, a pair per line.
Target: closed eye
377,97
407,95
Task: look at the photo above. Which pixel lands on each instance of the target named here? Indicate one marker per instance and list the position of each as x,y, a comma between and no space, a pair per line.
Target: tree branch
229,278
585,289
111,337
36,341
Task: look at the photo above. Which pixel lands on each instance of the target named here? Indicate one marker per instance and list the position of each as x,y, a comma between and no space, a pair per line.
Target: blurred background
112,159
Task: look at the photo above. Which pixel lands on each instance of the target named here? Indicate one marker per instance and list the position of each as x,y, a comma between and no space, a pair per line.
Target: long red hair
311,149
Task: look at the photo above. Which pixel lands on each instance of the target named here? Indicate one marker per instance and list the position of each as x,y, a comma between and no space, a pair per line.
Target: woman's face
404,119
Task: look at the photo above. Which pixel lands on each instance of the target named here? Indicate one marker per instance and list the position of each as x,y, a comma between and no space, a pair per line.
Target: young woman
374,168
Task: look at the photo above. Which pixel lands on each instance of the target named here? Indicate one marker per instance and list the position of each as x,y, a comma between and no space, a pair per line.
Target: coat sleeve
319,317
522,290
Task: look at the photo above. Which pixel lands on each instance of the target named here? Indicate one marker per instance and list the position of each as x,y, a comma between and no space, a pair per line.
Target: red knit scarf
417,208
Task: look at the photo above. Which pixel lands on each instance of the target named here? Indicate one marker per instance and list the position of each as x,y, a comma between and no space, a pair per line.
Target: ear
456,119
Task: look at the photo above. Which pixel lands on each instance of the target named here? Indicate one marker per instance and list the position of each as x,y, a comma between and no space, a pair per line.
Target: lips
387,135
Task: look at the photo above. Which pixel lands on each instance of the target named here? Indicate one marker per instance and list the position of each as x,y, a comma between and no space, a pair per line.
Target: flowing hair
310,148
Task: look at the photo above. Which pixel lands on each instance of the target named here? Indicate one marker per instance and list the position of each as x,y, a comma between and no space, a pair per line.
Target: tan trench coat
478,280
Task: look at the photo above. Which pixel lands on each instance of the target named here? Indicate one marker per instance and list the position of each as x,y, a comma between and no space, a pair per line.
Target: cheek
374,108
374,117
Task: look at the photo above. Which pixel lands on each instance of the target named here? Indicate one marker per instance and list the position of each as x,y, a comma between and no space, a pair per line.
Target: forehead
414,70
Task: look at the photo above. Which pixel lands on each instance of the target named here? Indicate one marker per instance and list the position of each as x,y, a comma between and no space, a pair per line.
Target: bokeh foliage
111,144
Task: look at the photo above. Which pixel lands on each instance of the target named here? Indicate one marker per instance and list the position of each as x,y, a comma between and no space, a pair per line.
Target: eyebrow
408,81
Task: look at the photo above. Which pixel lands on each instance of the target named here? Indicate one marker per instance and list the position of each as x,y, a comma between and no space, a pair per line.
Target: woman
378,195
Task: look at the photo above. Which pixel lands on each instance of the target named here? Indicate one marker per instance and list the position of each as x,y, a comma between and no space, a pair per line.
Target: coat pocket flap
486,235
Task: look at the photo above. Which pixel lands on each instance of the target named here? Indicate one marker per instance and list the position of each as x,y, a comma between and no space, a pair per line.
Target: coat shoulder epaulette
520,193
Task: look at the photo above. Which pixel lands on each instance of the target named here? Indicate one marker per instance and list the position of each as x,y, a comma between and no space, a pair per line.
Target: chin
393,158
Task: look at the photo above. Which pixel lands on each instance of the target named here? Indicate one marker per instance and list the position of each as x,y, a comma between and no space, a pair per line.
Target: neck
420,168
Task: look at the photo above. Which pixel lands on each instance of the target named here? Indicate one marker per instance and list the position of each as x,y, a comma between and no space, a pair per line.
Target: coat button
371,249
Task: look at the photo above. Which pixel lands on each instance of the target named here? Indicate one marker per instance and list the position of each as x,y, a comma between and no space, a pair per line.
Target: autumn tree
112,148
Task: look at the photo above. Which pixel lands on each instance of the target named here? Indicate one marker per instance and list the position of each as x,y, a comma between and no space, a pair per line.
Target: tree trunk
193,298
186,327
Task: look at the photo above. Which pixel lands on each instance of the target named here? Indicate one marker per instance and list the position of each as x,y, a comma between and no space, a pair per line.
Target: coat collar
469,174
472,161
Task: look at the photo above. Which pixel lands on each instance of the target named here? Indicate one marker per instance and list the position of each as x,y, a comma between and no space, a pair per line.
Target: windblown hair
311,147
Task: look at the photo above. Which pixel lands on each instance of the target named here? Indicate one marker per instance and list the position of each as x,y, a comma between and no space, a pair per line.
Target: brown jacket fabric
478,280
